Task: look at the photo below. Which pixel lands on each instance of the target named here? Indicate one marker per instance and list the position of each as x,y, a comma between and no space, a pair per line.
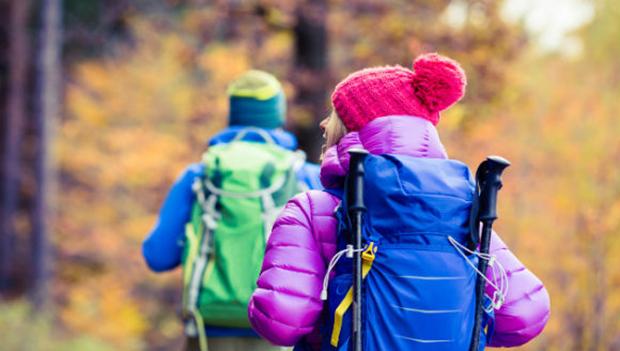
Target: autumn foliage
143,107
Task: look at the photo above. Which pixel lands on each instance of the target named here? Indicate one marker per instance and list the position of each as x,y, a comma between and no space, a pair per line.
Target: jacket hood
396,135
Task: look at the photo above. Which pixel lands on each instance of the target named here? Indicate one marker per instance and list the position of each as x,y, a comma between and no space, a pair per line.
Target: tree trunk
48,108
311,73
17,90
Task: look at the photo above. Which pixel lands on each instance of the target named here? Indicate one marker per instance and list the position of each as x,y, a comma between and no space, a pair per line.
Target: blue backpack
418,292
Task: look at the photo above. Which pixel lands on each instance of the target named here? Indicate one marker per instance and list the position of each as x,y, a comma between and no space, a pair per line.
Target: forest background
103,103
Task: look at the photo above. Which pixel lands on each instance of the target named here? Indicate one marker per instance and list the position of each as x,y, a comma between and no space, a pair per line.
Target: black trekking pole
488,182
355,210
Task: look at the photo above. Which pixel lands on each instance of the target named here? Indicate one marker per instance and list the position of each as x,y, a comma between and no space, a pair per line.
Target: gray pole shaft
357,285
355,210
487,228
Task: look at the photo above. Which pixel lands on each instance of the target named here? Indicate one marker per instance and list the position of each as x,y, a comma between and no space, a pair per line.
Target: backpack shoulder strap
474,221
260,132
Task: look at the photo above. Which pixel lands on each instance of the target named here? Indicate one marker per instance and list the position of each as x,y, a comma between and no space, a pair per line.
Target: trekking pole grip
356,185
489,178
489,175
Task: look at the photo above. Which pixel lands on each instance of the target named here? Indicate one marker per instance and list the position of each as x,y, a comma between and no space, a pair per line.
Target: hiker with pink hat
419,275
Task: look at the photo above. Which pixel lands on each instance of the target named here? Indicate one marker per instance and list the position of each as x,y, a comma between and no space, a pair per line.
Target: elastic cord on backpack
497,270
332,264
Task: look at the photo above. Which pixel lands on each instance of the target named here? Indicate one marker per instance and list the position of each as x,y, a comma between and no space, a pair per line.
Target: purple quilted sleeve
286,305
526,309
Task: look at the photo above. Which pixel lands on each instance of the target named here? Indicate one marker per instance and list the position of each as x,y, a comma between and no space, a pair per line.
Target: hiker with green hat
218,215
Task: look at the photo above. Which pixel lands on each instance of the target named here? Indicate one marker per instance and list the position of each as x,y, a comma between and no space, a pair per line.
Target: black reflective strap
474,221
217,177
266,174
346,199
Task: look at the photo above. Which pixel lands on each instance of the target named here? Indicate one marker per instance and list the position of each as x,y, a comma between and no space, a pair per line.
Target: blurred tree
15,95
145,87
141,112
31,99
471,31
90,27
49,93
558,126
310,73
26,63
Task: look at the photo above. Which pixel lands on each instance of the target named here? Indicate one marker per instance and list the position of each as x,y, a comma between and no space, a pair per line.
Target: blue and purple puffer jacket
286,307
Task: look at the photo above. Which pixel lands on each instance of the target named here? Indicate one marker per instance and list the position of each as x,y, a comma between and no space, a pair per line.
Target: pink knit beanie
435,83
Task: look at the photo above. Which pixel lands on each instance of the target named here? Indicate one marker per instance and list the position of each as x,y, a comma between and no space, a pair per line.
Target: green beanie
256,100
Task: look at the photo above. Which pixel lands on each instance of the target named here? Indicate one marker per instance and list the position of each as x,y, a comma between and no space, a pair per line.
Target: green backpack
245,187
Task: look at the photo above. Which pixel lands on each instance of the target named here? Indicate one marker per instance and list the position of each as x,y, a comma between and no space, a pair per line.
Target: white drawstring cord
497,270
332,264
499,295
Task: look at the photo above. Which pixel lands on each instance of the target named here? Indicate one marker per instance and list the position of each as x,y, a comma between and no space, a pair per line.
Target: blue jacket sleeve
163,247
310,175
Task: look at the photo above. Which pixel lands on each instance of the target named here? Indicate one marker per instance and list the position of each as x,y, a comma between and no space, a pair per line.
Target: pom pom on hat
434,84
438,81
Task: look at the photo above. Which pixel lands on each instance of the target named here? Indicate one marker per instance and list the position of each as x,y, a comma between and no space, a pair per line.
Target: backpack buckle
210,221
369,254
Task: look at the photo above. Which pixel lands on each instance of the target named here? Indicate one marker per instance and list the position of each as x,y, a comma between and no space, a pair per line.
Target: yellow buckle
369,254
